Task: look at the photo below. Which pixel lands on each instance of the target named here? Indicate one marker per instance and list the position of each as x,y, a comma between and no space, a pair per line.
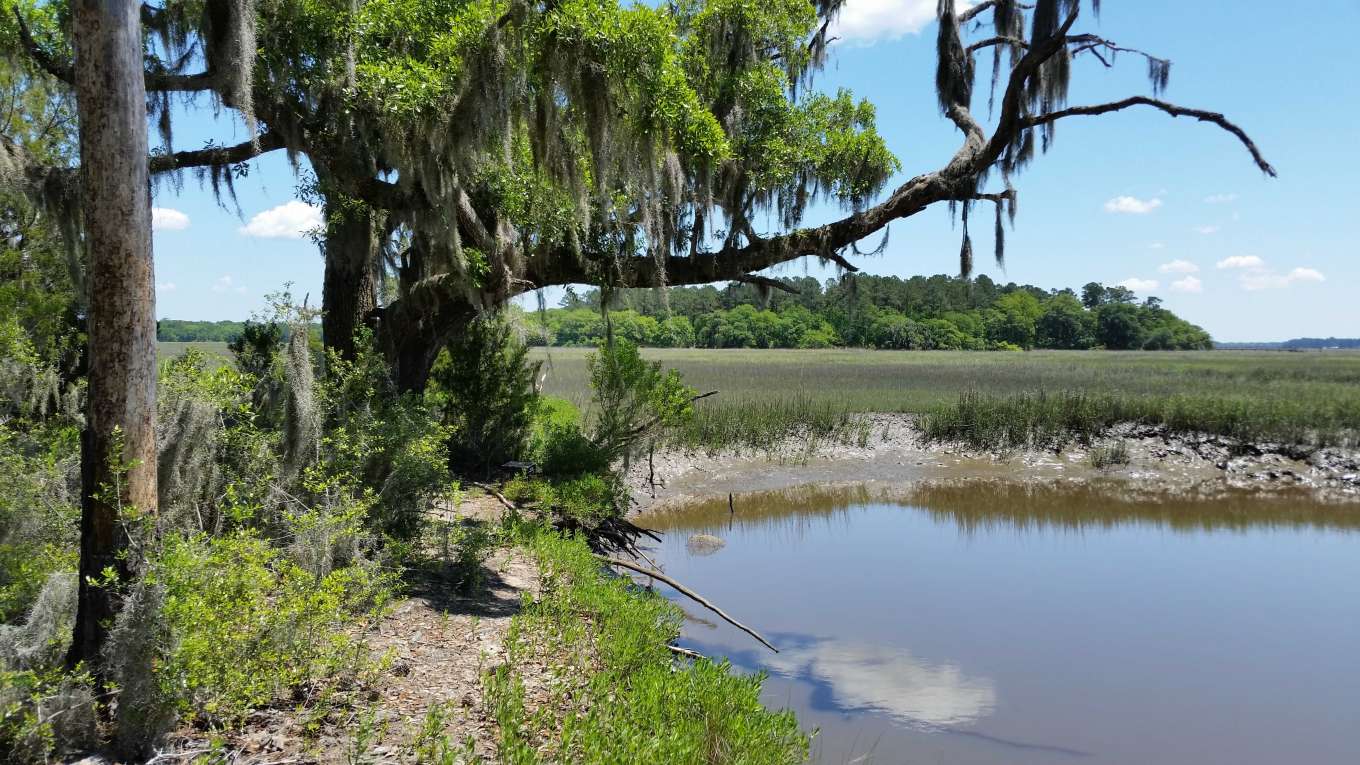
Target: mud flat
894,453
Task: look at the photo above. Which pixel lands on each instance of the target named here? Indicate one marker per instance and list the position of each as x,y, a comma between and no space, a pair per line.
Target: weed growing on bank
1044,420
620,695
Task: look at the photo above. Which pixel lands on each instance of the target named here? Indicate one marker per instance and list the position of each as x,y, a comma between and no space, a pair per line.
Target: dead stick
489,490
686,652
691,594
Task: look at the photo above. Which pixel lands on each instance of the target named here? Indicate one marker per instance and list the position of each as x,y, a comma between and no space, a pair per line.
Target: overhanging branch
765,281
217,155
1169,108
64,71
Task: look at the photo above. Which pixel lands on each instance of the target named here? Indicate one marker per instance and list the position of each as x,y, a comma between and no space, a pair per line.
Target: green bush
247,623
484,384
624,698
558,445
39,513
634,399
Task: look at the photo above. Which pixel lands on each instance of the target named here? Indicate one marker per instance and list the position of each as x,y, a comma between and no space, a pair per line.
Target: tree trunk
350,288
411,339
111,103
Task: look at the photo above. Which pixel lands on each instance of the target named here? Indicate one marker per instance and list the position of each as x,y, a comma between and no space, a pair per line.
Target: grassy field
171,350
1309,397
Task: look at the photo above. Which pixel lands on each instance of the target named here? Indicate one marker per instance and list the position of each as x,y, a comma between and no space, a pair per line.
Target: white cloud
1220,199
1139,285
1206,230
166,287
1178,267
1188,284
868,21
1258,277
225,283
1132,205
1242,261
291,220
168,219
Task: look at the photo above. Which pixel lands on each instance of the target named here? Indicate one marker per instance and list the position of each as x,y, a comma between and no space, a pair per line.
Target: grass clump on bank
1034,421
766,422
619,694
1043,420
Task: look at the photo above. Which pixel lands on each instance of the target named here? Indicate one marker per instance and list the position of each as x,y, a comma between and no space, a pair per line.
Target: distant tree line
1349,343
181,331
920,313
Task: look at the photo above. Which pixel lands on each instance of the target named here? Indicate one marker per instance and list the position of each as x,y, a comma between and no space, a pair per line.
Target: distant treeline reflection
984,505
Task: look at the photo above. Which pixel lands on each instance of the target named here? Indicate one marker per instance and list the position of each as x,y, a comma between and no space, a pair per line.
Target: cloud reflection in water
887,680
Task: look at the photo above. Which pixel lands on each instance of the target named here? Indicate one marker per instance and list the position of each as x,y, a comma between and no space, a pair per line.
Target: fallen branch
691,594
492,491
686,652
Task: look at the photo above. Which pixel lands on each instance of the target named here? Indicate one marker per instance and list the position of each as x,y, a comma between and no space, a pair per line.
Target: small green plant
1110,455
433,746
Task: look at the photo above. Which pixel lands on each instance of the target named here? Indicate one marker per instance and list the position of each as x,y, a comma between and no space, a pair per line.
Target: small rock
704,544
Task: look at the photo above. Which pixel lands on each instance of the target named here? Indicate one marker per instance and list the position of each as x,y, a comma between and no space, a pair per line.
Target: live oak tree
473,150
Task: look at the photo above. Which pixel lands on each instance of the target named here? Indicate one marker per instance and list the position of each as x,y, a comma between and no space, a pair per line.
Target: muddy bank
894,452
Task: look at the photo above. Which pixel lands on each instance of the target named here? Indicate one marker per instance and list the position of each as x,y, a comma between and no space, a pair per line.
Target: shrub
634,399
39,514
245,623
558,445
484,383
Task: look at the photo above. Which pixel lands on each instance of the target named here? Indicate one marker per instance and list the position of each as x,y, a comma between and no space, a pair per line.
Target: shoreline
895,453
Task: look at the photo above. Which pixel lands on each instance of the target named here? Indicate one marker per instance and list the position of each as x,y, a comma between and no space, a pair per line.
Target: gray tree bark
350,286
111,104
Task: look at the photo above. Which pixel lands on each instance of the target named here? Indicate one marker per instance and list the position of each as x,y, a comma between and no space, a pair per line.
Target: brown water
989,623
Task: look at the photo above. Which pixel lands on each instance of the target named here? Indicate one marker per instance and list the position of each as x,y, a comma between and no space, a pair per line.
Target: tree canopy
471,150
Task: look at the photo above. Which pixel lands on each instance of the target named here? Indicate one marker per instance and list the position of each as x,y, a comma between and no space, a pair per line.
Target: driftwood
686,652
691,594
492,491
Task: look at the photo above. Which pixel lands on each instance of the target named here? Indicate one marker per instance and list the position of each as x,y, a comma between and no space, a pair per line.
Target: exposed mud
894,452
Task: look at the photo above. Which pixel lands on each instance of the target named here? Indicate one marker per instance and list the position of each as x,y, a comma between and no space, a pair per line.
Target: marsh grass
764,395
769,422
1110,455
1044,420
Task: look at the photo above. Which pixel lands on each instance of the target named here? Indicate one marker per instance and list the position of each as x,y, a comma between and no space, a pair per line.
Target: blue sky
1166,206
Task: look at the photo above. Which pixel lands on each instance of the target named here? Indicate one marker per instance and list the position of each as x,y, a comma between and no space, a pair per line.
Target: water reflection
975,505
855,676
984,622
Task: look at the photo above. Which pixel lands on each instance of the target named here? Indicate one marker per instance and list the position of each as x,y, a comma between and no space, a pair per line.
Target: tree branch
991,41
1169,108
64,71
217,155
60,69
986,5
765,281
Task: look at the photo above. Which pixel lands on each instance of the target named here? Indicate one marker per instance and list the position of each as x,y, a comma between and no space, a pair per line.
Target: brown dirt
435,645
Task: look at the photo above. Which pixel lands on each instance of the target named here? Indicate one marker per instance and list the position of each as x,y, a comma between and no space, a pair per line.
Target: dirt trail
437,645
